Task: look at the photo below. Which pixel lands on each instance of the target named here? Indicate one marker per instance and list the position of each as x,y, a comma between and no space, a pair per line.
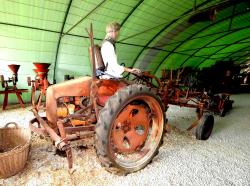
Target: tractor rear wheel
129,130
205,127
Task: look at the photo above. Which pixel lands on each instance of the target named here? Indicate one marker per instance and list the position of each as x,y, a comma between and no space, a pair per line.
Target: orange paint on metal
107,88
131,128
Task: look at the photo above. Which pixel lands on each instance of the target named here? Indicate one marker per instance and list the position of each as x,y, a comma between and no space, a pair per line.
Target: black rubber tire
205,127
107,116
228,105
223,111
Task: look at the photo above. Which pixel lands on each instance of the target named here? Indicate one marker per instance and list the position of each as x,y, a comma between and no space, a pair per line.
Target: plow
125,117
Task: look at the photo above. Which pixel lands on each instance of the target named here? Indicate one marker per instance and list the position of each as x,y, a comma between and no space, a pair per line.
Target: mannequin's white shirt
110,61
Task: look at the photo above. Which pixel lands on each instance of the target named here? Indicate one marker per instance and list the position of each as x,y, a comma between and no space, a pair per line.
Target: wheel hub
130,128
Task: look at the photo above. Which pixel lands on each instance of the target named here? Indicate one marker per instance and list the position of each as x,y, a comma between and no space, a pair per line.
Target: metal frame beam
130,44
99,39
94,9
241,49
59,40
225,59
233,30
231,20
204,28
209,57
240,57
226,53
163,29
66,33
29,27
179,17
207,45
198,37
131,12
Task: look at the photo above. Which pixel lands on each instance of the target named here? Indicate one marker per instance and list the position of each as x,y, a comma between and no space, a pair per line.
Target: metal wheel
130,130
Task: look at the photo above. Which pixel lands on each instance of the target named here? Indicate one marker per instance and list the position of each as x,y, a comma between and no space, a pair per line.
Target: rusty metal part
77,100
84,101
87,109
62,141
106,88
38,130
11,89
65,140
53,135
147,79
130,128
91,50
80,135
40,83
17,92
136,131
2,81
71,130
76,122
62,111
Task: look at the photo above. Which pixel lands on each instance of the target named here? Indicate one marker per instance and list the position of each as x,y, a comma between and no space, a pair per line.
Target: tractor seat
99,64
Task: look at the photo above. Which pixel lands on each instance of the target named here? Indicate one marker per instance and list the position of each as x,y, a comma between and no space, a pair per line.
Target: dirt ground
224,159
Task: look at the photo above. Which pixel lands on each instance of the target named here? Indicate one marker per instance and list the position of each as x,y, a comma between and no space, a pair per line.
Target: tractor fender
107,88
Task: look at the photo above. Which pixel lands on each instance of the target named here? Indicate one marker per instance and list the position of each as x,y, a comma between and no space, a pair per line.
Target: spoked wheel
205,127
130,130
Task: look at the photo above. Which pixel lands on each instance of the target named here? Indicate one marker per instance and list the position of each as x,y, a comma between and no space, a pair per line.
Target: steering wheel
146,78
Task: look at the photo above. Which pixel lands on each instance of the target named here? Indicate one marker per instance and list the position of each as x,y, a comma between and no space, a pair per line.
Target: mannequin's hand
136,71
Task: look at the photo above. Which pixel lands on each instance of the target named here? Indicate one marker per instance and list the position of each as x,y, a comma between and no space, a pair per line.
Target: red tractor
127,119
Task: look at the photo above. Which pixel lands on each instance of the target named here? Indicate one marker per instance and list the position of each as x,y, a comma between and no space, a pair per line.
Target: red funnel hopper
42,66
14,68
42,73
37,71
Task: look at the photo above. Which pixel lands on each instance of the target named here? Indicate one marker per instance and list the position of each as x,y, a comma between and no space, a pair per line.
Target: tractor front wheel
130,129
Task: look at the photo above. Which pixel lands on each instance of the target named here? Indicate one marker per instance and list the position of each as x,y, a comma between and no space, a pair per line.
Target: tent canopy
155,34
